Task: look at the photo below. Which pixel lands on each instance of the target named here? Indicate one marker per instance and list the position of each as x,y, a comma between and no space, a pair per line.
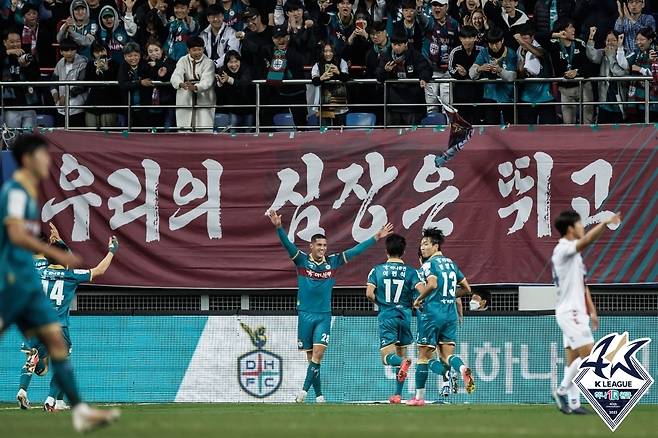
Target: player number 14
57,292
399,284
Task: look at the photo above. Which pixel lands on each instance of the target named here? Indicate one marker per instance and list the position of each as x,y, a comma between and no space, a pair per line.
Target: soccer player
315,282
22,301
59,284
574,309
437,322
391,286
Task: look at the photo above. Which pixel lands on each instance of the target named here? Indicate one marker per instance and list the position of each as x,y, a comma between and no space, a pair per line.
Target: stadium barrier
229,358
642,107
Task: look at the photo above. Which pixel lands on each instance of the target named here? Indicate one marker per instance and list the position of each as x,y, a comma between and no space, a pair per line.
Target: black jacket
599,13
411,66
469,91
294,70
167,92
542,17
560,59
130,80
102,95
242,92
12,71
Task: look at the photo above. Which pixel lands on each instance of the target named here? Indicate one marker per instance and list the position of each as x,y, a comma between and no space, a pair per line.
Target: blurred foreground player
574,309
22,301
315,282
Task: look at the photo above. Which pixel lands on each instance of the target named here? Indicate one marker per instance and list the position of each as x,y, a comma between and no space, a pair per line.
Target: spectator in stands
234,87
113,34
194,82
612,61
369,93
479,301
37,37
404,62
496,61
374,9
300,30
569,59
642,62
413,24
143,8
79,28
548,12
479,21
233,10
459,63
601,14
70,67
442,36
533,62
218,37
330,67
101,68
257,38
161,68
504,15
18,66
358,42
631,20
463,9
339,26
179,30
135,85
151,28
95,7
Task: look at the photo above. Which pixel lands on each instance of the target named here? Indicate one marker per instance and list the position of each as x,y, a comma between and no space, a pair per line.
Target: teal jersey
440,303
395,284
60,285
316,280
16,205
40,263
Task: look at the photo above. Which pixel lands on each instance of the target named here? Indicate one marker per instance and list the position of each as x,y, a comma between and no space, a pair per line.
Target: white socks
420,394
569,374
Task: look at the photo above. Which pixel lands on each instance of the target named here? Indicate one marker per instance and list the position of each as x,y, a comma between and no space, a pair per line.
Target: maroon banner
189,210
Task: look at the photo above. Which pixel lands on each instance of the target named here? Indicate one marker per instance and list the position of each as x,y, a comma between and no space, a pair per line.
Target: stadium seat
45,121
361,119
222,121
433,119
284,120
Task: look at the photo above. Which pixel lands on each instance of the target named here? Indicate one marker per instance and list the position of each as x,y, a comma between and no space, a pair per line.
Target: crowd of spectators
205,54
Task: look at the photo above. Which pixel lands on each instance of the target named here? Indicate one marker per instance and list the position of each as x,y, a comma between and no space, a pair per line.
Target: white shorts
575,328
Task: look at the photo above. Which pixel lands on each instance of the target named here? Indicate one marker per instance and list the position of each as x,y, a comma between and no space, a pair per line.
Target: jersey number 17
399,285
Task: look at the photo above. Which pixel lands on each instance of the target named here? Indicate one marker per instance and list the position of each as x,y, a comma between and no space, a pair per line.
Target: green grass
336,421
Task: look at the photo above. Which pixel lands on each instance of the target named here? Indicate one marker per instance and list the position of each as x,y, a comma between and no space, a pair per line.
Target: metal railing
260,107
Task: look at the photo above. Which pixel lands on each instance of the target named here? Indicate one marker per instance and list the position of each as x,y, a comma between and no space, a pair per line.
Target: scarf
278,68
29,37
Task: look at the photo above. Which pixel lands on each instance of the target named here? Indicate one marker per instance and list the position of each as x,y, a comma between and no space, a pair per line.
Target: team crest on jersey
612,378
260,372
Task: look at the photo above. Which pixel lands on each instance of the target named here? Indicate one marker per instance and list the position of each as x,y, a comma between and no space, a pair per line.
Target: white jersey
569,277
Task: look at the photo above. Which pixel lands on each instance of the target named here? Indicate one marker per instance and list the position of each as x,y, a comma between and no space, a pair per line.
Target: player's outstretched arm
112,248
592,235
361,247
292,249
55,236
19,236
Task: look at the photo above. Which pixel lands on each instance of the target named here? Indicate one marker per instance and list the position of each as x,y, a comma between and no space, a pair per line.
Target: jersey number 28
57,292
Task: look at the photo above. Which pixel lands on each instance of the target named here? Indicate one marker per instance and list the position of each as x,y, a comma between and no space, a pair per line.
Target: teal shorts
312,328
23,303
434,331
394,329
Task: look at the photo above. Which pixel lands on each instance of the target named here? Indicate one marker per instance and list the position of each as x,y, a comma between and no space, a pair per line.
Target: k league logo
612,378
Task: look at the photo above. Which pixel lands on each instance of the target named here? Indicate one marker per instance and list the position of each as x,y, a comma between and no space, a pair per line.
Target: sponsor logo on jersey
259,371
612,378
315,275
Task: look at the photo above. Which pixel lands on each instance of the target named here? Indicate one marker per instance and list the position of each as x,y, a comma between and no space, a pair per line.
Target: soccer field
266,420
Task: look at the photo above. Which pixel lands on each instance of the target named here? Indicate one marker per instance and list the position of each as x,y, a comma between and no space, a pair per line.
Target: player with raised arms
574,308
437,320
22,301
315,282
391,286
59,285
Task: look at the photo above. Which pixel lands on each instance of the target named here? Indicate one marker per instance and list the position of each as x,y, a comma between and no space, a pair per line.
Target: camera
26,58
